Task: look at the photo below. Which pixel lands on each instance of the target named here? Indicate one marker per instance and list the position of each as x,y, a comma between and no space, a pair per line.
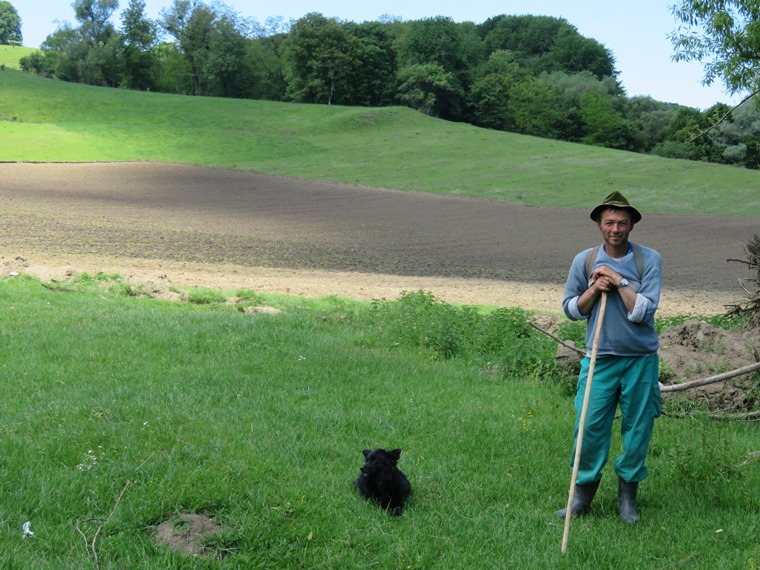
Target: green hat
616,200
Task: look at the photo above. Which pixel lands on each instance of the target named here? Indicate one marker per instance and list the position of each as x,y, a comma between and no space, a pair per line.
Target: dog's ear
395,454
366,453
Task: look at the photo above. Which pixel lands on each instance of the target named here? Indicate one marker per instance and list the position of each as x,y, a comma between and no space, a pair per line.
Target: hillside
9,55
394,147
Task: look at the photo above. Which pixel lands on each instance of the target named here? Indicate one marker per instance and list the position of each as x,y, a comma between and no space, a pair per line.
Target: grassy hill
9,55
45,120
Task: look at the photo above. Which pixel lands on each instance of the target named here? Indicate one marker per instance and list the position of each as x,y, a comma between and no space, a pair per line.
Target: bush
501,340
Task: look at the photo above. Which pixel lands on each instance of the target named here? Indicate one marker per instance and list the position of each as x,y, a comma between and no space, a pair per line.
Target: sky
635,32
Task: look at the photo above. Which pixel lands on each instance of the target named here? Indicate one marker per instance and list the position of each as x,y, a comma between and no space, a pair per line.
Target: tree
491,94
139,35
735,139
320,57
434,40
439,41
54,50
547,44
723,35
426,87
10,24
33,63
573,53
93,17
263,59
189,23
373,83
603,125
528,37
489,99
96,55
224,65
177,76
570,88
682,136
649,119
534,109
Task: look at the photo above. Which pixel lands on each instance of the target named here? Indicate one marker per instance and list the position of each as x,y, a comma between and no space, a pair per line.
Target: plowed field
227,229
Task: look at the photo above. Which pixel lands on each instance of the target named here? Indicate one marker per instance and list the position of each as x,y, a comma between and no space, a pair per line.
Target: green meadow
121,412
47,120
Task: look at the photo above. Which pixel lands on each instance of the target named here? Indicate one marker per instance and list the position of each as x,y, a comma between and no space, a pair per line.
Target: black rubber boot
582,498
626,505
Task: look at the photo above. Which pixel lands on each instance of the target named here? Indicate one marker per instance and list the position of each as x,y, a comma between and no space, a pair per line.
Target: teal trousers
632,383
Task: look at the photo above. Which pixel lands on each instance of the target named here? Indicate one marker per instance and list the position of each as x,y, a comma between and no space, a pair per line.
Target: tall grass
46,120
259,421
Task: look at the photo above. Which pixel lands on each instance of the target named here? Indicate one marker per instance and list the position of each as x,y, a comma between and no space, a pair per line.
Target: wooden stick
582,422
711,379
559,340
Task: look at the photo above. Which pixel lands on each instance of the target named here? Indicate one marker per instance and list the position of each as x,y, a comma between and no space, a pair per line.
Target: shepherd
626,371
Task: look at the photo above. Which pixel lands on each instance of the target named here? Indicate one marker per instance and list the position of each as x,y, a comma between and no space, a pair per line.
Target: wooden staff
582,422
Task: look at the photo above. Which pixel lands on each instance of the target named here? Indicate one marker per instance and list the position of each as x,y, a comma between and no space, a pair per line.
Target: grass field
120,413
45,120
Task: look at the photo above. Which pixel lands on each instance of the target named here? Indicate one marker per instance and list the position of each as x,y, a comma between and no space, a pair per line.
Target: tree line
533,75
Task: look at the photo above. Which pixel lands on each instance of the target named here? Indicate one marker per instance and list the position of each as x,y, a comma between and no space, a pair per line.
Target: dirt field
198,226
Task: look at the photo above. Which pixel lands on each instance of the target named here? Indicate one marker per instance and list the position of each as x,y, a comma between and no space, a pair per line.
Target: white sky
635,32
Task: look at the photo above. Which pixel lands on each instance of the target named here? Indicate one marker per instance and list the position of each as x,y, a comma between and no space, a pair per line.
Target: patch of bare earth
697,349
188,533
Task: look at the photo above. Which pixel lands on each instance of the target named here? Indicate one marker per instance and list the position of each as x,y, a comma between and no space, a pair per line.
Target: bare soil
223,229
187,533
167,225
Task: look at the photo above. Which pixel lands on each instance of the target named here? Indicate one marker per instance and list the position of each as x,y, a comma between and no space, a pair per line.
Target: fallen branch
711,379
559,340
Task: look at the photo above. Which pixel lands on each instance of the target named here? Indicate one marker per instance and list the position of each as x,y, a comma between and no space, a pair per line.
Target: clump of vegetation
502,340
205,296
750,309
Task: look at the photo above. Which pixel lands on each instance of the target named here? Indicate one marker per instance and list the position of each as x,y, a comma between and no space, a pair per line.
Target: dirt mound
188,533
696,350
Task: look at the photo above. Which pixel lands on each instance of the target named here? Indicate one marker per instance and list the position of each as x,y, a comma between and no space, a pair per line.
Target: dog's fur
382,481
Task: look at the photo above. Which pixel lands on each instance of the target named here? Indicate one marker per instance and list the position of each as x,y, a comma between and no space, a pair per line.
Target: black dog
381,481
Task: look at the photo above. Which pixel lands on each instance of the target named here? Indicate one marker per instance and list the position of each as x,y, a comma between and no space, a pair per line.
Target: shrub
500,340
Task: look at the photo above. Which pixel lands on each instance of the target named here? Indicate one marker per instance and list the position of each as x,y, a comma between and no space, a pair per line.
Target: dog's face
379,462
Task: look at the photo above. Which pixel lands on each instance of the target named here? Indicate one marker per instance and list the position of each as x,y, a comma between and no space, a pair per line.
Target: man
627,367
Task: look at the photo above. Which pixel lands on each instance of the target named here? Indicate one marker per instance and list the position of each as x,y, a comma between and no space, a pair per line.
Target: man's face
615,226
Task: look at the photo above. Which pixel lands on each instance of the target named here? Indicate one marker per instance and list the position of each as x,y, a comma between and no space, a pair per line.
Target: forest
533,75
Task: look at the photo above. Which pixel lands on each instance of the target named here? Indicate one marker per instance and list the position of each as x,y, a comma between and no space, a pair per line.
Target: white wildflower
90,460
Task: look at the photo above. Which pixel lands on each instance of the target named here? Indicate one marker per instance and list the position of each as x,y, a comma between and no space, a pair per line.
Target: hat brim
596,212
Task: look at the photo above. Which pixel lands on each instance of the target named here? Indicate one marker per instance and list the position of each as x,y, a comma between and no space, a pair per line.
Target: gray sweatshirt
623,333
